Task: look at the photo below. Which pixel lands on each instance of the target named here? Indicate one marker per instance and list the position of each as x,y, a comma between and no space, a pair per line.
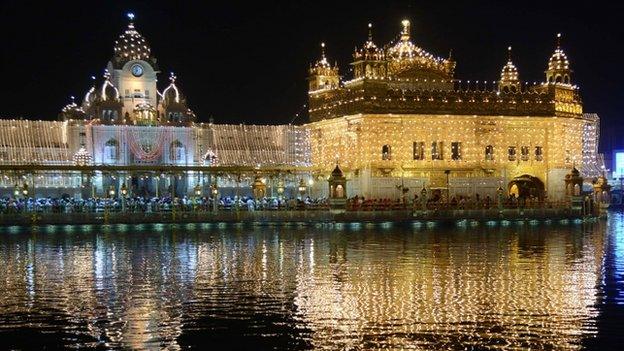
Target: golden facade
405,118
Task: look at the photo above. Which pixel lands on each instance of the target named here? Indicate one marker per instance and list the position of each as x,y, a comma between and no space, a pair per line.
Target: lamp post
16,192
111,191
280,189
215,199
124,193
25,190
310,184
302,188
448,187
198,192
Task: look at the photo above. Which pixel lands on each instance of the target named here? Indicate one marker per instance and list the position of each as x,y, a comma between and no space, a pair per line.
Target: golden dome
404,55
558,60
509,73
369,50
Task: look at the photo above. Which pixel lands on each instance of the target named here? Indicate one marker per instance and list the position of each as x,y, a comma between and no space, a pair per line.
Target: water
351,287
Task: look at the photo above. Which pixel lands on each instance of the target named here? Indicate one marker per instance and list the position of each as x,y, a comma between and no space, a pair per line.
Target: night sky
247,63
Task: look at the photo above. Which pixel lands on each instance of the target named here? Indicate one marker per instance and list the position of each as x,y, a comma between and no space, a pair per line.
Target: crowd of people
154,204
245,203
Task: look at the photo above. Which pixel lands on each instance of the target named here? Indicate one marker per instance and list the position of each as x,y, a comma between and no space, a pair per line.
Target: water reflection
359,287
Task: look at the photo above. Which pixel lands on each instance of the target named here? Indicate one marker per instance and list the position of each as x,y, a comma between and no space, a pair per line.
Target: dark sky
241,62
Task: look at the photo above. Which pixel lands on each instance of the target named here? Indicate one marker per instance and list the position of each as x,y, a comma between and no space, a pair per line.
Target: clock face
137,70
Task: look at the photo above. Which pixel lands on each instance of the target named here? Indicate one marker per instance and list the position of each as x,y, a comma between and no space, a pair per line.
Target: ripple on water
348,286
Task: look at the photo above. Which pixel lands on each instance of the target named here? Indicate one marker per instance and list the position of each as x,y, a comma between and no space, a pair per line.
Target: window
111,151
419,150
539,153
436,150
456,150
489,153
511,152
177,151
524,153
386,152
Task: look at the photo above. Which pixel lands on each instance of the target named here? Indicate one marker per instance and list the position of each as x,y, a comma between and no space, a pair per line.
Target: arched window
511,153
386,152
539,153
489,153
524,153
111,151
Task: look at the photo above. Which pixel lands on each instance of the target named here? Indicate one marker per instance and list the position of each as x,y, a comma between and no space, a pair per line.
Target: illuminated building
403,119
124,120
402,122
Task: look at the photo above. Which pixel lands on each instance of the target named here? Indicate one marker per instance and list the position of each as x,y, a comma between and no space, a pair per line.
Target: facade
402,123
405,122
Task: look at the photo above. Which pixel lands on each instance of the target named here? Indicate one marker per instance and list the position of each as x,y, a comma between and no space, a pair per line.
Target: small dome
82,157
337,172
509,73
72,111
131,45
558,61
322,62
369,50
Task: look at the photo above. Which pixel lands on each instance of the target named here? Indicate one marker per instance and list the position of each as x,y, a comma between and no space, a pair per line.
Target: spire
509,54
130,16
405,33
323,51
558,41
370,32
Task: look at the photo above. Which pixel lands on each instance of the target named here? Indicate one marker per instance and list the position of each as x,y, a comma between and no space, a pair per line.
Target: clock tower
134,72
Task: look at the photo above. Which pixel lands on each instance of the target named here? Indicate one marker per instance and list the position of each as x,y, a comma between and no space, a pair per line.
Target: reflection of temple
525,286
402,122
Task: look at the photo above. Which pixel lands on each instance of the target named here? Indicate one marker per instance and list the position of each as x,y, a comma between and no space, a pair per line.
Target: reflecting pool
344,287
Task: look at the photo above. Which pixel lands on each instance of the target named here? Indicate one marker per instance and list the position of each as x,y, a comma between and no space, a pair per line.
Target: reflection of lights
539,290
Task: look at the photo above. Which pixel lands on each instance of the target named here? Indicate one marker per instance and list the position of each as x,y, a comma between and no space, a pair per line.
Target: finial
106,74
130,16
406,29
370,32
172,77
72,99
558,40
323,50
450,55
509,53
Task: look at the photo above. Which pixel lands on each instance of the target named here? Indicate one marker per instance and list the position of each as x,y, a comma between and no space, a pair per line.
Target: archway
526,186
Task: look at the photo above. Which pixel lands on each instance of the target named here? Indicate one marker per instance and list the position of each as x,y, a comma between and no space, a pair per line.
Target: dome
405,49
82,157
558,61
369,50
131,45
322,62
72,111
404,55
558,66
509,73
